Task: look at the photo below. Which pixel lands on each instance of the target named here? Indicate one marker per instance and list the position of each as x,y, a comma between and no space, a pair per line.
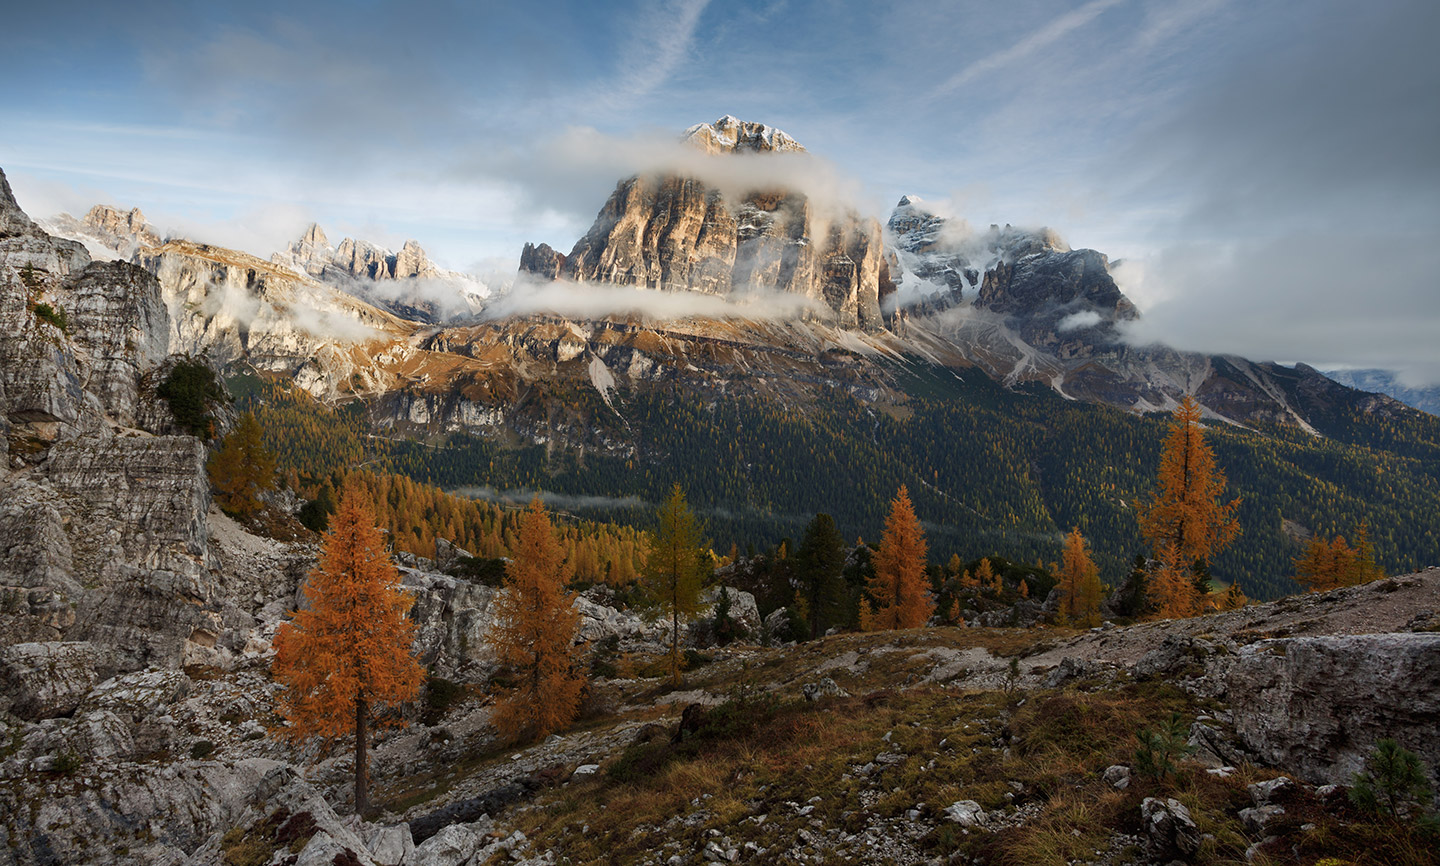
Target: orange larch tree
534,634
1080,588
1332,564
899,589
1170,589
985,575
349,652
1185,519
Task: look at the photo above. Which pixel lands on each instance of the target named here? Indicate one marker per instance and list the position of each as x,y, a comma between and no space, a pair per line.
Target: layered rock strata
674,233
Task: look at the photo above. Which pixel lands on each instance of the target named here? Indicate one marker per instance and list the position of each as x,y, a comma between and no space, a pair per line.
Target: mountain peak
315,236
729,134
13,221
125,225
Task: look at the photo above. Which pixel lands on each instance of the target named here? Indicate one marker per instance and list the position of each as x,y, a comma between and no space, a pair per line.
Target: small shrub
795,628
694,659
54,315
67,763
1392,782
602,661
482,570
726,628
1161,749
190,389
315,514
201,749
1012,677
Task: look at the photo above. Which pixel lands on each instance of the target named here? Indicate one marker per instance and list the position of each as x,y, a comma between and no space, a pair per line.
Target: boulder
453,845
1272,791
1118,776
1170,832
1317,705
966,813
44,680
825,688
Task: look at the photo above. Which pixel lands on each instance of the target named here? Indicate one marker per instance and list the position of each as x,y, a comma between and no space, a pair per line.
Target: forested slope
991,470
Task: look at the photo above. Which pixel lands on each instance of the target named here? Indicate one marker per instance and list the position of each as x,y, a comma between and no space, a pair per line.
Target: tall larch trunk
362,777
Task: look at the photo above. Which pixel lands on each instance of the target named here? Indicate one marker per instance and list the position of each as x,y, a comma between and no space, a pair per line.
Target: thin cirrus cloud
1050,32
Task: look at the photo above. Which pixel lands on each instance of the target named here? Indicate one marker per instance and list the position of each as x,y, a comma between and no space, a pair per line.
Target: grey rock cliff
1319,704
678,234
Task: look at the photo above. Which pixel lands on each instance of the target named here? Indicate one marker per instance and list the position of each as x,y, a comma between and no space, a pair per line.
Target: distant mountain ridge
1426,399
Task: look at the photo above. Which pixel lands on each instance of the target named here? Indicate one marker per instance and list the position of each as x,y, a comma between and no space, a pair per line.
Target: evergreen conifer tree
819,565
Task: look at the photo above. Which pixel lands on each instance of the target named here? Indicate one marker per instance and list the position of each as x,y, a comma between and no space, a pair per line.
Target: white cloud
592,300
1076,321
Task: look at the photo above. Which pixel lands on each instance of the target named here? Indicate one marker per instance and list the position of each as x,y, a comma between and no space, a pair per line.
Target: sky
1264,173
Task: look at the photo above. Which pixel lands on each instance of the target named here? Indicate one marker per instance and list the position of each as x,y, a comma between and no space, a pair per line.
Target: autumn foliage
534,635
242,468
1185,519
899,593
1079,581
416,514
1170,588
350,651
1333,563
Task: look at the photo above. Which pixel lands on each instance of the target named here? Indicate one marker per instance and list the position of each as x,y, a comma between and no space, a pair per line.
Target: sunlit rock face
677,233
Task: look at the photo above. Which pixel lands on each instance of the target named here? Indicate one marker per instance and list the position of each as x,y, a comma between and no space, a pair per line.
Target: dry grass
1042,752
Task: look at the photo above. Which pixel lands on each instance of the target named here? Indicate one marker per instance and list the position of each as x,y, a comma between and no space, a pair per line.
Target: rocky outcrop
542,262
44,680
14,223
405,283
679,234
1319,704
119,321
235,307
454,617
729,134
128,228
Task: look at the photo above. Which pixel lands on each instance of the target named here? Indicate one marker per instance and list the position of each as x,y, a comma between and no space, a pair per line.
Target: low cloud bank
571,172
595,300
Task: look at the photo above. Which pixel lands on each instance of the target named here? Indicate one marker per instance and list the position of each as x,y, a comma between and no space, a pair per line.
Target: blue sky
1265,170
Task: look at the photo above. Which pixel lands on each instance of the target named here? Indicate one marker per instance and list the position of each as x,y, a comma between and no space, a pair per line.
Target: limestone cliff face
405,283
679,234
236,307
104,522
126,226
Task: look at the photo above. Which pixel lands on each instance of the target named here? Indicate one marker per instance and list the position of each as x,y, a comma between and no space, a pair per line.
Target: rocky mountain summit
405,283
675,233
108,233
729,134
